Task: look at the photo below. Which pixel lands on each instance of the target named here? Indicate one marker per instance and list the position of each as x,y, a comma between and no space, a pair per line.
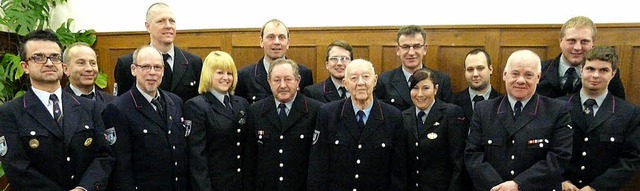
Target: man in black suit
252,79
280,133
521,141
577,36
339,54
359,143
477,72
393,86
606,135
82,69
146,131
182,69
50,139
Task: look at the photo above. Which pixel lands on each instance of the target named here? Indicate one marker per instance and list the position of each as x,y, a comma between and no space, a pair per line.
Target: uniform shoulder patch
316,134
110,135
3,146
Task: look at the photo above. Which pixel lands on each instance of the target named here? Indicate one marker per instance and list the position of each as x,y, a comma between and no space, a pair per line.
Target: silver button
489,141
259,136
301,136
238,157
513,141
238,144
253,98
586,139
68,158
337,141
175,163
584,153
512,172
383,145
239,169
358,161
86,126
393,100
280,151
169,132
359,146
355,189
72,176
417,158
416,144
173,147
144,130
417,185
281,165
541,145
417,172
176,179
32,133
239,130
582,167
580,181
612,139
513,157
281,136
357,176
281,178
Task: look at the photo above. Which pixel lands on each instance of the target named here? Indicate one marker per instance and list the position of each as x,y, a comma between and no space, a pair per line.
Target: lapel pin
432,135
436,124
88,142
34,143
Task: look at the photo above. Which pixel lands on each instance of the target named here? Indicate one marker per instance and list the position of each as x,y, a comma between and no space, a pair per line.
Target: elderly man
82,68
359,143
280,132
146,131
521,141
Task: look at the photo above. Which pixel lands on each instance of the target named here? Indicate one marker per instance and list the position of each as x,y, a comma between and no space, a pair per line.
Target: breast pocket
39,142
147,138
84,135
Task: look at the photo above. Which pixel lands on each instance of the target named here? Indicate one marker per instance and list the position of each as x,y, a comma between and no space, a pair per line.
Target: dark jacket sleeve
318,176
484,175
616,87
457,133
122,173
198,168
99,170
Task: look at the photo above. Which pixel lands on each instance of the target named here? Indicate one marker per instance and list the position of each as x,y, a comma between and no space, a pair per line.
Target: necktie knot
361,118
478,98
421,114
517,109
165,57
343,92
88,96
53,98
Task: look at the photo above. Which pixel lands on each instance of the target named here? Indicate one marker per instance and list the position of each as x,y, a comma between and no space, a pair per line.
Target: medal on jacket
242,120
34,143
432,135
88,142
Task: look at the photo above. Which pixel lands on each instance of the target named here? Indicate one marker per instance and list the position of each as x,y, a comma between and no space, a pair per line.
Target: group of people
180,123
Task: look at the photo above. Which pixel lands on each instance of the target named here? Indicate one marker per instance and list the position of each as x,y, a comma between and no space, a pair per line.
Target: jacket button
357,176
281,165
280,151
512,172
582,167
359,146
281,178
144,130
586,139
584,153
489,141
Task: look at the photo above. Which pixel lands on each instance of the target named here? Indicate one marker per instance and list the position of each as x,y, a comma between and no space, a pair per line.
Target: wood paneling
446,48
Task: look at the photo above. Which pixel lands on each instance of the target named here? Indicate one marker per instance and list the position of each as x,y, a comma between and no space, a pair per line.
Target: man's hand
506,186
568,186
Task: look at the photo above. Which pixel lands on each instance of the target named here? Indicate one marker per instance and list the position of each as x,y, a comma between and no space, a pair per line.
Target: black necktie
517,110
360,119
588,111
343,92
476,99
168,73
421,114
568,85
88,96
57,113
227,103
282,114
156,102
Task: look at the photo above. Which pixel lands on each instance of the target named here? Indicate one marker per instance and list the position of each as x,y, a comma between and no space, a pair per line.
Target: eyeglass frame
148,68
337,59
54,58
407,47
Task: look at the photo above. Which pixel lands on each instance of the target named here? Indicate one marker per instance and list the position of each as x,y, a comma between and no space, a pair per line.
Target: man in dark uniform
339,54
359,143
50,139
146,131
606,147
252,79
280,132
577,36
82,69
393,86
181,68
521,141
477,72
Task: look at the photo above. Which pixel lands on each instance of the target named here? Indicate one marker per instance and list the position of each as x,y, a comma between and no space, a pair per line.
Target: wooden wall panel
451,61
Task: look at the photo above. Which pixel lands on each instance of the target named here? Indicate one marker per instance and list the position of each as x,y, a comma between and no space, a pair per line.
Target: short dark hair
422,74
341,44
412,30
38,35
478,51
602,53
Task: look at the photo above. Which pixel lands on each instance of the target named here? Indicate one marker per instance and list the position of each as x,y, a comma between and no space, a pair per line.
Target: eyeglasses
42,59
146,68
407,47
337,59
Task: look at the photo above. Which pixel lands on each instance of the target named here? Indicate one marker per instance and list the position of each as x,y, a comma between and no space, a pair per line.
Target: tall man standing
181,68
146,130
252,79
82,68
606,135
523,140
50,139
477,72
339,54
359,143
577,36
393,86
280,132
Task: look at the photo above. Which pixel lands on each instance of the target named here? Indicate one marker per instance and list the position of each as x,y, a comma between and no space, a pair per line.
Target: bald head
521,56
522,74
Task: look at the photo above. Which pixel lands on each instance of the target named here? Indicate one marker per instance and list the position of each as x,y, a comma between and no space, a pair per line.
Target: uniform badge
3,146
187,127
432,135
110,135
241,121
88,142
316,134
34,143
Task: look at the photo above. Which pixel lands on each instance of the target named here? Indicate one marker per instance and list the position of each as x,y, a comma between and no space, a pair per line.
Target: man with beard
339,54
252,79
561,76
477,72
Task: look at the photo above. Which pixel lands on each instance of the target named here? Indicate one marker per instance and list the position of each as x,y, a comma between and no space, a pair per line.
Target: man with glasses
82,69
339,54
181,68
252,79
393,86
50,139
146,130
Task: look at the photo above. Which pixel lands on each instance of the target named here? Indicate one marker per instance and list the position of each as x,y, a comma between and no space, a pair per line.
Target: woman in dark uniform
436,138
217,127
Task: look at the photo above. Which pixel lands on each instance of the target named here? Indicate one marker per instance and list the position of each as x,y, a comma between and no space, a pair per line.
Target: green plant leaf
101,80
